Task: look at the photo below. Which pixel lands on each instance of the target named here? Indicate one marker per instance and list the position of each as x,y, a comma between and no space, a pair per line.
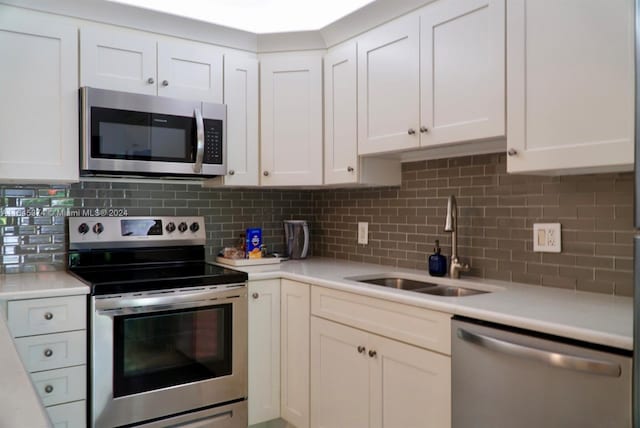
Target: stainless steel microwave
127,134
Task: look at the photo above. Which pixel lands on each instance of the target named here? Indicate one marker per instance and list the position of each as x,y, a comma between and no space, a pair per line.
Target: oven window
164,349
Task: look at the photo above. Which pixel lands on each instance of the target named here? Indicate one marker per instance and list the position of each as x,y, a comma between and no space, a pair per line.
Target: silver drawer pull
48,316
255,295
554,359
48,352
48,389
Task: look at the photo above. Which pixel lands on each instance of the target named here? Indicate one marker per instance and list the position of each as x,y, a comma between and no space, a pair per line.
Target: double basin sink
393,281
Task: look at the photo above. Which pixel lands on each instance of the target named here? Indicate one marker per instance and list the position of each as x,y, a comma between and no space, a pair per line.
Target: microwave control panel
213,141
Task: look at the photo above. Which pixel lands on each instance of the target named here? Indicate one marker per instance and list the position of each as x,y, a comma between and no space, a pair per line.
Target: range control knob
171,226
98,228
83,228
194,227
182,226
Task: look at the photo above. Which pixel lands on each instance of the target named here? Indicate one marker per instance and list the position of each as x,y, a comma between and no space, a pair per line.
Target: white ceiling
257,16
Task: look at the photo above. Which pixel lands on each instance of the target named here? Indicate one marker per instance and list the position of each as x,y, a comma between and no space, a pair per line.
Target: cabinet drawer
50,315
421,327
61,385
53,351
70,415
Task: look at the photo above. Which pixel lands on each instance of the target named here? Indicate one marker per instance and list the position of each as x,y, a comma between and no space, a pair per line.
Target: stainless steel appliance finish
204,156
502,378
109,410
168,333
636,288
296,234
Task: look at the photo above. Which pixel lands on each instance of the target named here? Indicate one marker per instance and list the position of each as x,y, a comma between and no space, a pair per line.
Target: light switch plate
547,237
363,233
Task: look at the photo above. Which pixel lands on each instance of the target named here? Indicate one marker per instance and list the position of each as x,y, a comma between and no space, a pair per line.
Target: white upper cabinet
570,86
388,87
341,162
132,61
462,71
291,119
39,86
340,115
190,70
241,98
120,60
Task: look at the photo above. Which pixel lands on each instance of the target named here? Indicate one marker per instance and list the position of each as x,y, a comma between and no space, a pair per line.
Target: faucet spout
451,225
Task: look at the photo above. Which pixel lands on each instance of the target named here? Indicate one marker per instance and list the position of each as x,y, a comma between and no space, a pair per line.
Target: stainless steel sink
401,283
420,286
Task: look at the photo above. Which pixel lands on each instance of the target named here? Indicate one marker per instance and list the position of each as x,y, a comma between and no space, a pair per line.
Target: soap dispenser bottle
437,262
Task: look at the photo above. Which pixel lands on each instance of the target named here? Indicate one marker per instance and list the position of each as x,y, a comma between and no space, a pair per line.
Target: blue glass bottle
437,262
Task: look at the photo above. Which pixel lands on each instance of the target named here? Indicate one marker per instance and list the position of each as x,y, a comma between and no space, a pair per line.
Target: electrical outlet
363,233
547,237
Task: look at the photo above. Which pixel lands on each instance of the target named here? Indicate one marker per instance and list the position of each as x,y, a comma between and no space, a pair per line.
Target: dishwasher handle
554,359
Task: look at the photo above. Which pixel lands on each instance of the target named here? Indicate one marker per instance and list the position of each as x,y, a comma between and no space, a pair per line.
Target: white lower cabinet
264,350
295,307
360,379
70,415
51,338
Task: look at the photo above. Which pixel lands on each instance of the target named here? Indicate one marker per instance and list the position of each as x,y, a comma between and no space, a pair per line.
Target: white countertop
20,405
591,317
42,284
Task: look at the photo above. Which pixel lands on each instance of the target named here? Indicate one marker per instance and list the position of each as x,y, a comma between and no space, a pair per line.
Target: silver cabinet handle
361,349
231,172
255,295
197,167
151,80
265,173
350,169
48,389
554,359
372,353
48,316
411,131
424,129
512,152
48,352
165,83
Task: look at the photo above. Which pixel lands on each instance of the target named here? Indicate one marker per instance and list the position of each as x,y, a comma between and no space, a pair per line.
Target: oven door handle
156,308
166,302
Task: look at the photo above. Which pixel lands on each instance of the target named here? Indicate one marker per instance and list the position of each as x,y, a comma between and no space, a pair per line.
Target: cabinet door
340,383
410,386
264,350
39,102
388,87
189,70
570,85
291,122
70,415
340,112
462,71
295,309
241,98
118,59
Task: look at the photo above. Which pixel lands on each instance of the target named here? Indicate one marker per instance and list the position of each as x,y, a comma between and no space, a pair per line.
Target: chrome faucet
451,225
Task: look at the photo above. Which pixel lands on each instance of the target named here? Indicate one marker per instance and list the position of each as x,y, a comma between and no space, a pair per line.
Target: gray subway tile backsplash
496,214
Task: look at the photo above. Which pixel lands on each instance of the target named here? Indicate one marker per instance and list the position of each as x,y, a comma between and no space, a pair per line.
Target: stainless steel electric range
168,333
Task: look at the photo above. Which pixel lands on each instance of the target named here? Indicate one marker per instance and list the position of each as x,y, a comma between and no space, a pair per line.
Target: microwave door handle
197,167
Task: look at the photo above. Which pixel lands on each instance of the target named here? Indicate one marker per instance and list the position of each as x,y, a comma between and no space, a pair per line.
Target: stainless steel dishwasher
509,378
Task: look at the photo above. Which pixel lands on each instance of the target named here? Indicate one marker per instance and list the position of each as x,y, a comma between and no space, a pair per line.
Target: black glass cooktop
124,271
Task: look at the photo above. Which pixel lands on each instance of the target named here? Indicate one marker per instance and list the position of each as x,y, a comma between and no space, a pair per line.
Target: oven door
160,355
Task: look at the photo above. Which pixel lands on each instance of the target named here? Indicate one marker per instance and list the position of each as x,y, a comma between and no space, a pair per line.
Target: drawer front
421,327
70,415
61,385
53,351
50,315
